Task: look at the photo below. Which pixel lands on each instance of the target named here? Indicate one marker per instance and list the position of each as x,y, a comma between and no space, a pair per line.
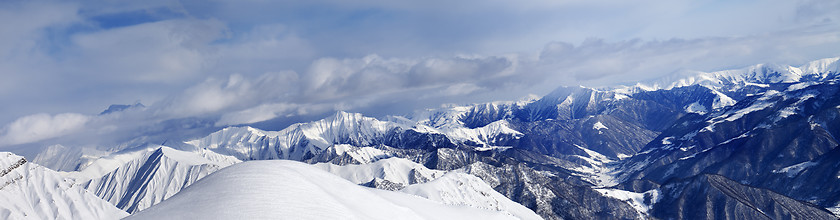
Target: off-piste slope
282,189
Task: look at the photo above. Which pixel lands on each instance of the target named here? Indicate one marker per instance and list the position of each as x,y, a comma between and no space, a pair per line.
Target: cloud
40,127
165,51
596,62
24,40
226,63
331,78
266,112
817,11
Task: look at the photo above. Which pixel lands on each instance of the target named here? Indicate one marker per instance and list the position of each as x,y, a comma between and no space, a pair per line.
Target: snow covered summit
292,190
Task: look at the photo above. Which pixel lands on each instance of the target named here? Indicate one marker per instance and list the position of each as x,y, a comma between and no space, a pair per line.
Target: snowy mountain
138,179
29,191
755,143
457,188
391,174
765,141
305,141
760,75
451,188
287,189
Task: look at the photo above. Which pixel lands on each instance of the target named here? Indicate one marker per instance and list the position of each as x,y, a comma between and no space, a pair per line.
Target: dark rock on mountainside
710,196
551,197
784,141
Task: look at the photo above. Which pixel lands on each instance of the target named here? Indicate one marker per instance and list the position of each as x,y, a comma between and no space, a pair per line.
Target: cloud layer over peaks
200,64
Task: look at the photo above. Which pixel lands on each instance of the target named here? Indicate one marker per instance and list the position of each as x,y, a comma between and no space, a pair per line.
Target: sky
215,63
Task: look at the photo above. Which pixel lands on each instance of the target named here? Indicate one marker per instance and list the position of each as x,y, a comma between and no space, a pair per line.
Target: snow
757,84
136,180
59,157
793,108
396,170
597,172
481,135
795,169
744,135
835,210
695,154
361,154
30,191
695,107
293,190
786,112
769,94
619,96
451,188
298,140
458,188
100,167
599,126
489,148
721,100
667,140
756,106
623,156
821,67
800,86
636,200
760,75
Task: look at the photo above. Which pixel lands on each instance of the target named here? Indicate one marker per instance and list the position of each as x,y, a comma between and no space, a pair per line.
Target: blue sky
231,62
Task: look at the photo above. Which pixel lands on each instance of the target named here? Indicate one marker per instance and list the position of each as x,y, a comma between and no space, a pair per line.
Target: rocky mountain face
710,196
765,141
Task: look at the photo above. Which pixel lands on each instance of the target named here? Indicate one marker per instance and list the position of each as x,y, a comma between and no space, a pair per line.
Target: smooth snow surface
30,191
281,189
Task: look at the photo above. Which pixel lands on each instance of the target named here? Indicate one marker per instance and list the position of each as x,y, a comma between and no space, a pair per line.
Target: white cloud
266,112
245,62
166,51
597,62
334,78
40,127
23,38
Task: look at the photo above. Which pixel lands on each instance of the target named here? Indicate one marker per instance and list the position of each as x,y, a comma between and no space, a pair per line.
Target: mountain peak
118,108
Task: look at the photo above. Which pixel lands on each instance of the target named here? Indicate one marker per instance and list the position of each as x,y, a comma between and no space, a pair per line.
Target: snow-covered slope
29,191
136,180
452,188
394,170
281,189
458,188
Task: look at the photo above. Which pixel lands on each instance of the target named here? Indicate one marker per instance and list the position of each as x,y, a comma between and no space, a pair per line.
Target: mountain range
752,143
